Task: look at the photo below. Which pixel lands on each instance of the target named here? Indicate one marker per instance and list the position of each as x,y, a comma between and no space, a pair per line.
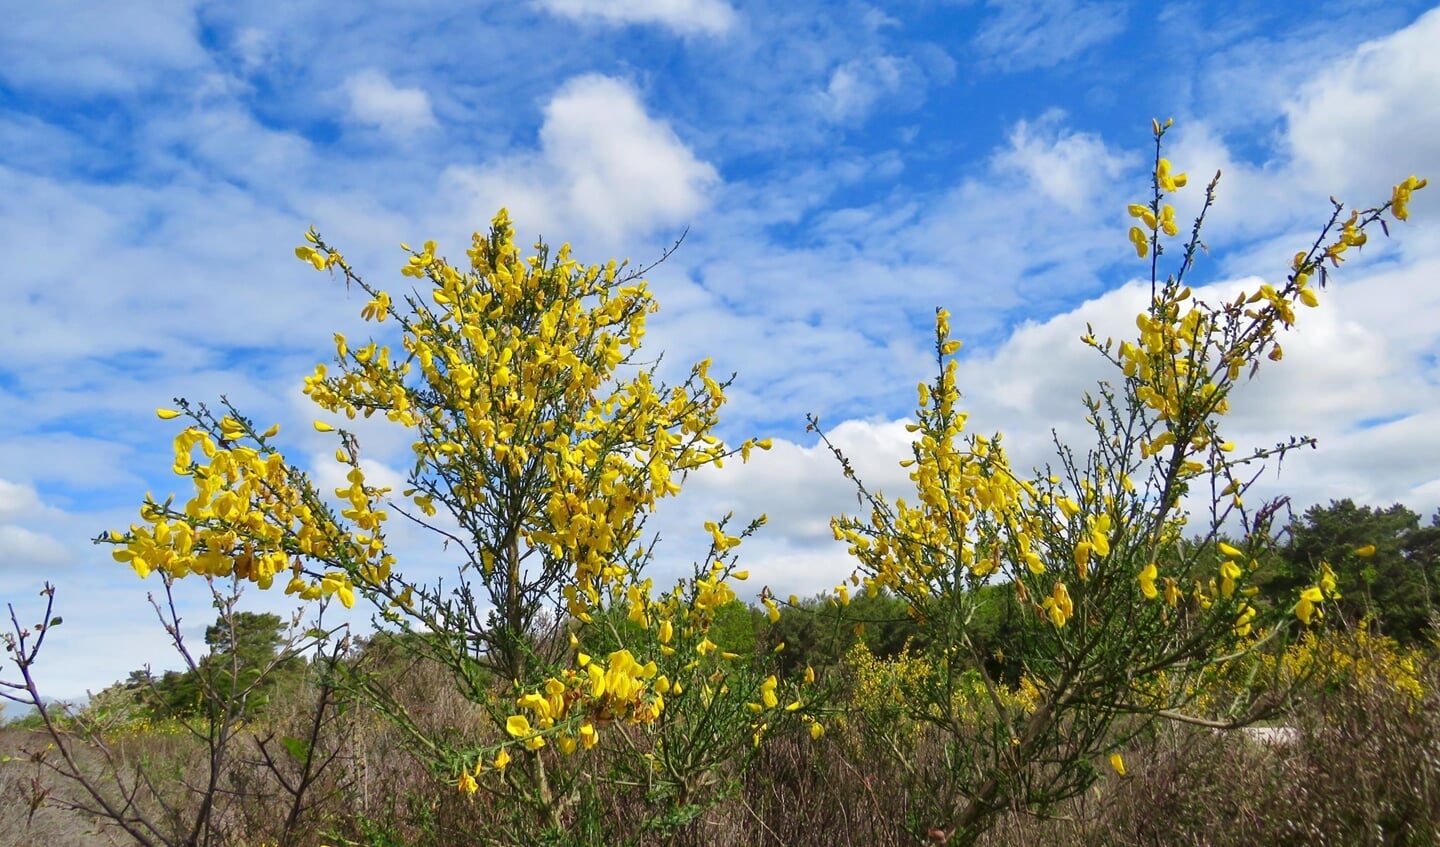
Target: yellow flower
502,759
1147,581
1118,763
166,414
1400,197
1243,622
1328,585
1058,606
1229,572
468,786
1167,219
1140,240
1307,609
321,426
1366,552
518,726
338,583
1082,560
1164,178
767,692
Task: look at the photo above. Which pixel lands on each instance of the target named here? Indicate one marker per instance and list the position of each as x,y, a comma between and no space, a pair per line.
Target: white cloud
1355,359
1346,364
799,488
1065,166
1028,34
376,101
1352,128
98,48
255,47
1360,119
16,501
21,547
686,17
857,85
603,167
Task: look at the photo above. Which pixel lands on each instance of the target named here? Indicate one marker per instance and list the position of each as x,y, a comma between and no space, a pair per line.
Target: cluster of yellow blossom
509,375
957,481
1307,609
617,689
1400,197
882,693
1158,216
252,517
1360,657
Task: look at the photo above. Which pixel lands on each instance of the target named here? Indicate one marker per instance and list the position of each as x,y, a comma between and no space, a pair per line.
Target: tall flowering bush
540,446
1125,612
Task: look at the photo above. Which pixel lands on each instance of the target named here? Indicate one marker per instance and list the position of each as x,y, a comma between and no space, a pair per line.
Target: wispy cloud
1029,34
686,17
855,86
89,50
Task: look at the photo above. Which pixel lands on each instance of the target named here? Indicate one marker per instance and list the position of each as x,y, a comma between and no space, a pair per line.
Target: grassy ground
1361,766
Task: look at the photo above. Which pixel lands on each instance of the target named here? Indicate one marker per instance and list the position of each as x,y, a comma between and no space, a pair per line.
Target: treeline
1395,591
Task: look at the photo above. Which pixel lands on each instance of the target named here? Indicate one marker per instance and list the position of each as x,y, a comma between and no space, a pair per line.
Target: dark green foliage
1398,588
818,632
242,671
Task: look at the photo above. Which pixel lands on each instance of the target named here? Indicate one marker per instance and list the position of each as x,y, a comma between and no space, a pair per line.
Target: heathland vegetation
1062,655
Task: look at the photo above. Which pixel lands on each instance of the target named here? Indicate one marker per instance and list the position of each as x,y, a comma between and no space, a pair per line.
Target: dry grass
1363,769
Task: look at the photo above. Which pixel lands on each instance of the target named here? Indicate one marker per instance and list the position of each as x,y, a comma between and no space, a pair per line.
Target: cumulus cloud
799,488
1356,359
1351,124
686,17
21,547
378,102
1067,167
603,165
1340,370
16,501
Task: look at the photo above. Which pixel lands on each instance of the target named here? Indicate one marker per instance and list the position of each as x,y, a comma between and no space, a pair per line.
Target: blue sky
843,169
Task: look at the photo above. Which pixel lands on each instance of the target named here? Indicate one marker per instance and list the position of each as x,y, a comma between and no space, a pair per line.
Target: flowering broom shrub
540,447
1126,614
